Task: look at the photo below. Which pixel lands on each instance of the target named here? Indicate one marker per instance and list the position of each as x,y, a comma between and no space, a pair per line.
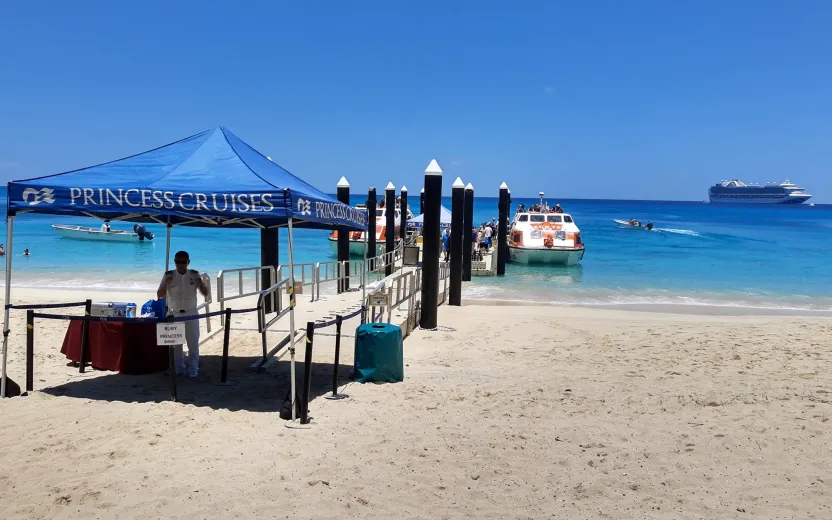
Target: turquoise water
757,256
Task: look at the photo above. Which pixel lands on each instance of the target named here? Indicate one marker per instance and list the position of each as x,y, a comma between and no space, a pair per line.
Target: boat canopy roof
212,178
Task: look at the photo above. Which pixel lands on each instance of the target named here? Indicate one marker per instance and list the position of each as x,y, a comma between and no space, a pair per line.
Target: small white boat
544,237
637,225
89,233
357,237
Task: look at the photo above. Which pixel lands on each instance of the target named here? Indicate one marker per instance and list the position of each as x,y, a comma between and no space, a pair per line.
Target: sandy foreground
506,412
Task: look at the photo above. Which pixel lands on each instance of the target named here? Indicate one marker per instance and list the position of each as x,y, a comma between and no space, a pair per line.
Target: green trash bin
378,353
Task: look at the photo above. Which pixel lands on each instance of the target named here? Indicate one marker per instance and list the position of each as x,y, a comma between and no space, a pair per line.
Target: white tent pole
364,275
167,247
292,318
9,233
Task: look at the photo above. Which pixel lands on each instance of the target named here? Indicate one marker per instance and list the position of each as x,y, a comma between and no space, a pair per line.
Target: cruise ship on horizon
737,191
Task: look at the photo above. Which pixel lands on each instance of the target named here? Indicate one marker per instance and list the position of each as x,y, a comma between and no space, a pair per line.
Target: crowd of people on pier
482,239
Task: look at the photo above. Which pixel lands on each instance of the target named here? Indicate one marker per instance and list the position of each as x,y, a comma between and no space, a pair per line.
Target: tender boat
638,225
140,234
357,237
544,237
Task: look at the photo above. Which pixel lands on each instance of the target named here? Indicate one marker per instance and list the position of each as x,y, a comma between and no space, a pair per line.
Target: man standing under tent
179,288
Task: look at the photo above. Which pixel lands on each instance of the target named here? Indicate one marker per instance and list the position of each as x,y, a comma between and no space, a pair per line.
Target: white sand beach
506,412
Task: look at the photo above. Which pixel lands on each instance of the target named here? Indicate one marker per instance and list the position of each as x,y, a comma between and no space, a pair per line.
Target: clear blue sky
618,99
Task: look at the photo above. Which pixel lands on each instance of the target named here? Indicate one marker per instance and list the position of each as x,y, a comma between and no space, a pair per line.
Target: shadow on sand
250,391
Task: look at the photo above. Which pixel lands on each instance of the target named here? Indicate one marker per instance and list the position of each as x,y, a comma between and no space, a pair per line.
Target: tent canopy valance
209,179
444,220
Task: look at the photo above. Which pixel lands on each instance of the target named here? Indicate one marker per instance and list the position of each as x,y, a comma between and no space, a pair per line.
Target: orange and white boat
357,237
543,236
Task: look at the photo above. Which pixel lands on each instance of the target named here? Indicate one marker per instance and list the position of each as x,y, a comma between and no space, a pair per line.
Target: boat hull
545,255
626,225
750,199
86,233
356,247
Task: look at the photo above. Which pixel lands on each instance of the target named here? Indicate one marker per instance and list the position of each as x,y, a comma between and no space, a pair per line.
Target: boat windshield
555,218
538,218
523,218
567,218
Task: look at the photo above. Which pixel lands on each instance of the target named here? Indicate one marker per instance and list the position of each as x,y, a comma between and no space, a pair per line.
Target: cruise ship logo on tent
304,207
46,195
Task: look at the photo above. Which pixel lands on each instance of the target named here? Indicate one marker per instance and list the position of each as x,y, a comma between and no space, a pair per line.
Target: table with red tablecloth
129,348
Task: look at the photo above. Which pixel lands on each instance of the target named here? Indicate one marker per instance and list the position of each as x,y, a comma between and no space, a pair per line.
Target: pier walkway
395,299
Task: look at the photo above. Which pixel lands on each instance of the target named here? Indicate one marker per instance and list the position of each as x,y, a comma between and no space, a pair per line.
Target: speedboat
139,233
357,237
540,236
635,225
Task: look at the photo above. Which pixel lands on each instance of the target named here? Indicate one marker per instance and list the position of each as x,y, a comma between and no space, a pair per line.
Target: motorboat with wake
104,233
542,236
634,224
357,237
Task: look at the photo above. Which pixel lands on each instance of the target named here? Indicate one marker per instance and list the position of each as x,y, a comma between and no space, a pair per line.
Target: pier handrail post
307,372
457,213
30,350
371,227
467,232
430,244
390,226
403,220
502,229
85,337
343,195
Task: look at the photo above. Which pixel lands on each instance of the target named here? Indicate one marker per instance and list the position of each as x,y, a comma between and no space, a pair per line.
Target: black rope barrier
46,306
123,319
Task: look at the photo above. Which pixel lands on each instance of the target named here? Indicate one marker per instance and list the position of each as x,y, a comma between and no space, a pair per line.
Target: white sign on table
170,333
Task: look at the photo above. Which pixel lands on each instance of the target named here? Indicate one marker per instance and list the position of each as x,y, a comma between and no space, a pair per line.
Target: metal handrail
379,263
221,279
262,325
206,304
400,289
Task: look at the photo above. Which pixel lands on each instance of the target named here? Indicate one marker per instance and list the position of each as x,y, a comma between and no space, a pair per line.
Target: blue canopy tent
444,220
209,179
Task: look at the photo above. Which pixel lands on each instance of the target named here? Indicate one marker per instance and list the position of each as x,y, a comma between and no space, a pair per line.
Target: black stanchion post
457,241
371,228
335,395
30,350
502,229
390,227
403,225
85,337
422,202
307,372
225,339
430,244
467,232
343,240
172,370
269,239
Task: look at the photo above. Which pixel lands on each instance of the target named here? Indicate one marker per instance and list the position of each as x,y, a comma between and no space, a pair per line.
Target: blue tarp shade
211,178
444,219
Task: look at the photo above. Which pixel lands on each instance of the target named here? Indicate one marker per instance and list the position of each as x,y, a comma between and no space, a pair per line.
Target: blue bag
157,307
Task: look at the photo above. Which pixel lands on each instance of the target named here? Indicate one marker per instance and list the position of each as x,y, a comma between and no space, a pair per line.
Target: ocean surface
775,257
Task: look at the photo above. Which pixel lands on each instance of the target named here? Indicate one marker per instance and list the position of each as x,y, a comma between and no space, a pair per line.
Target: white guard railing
274,293
208,300
397,291
237,277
